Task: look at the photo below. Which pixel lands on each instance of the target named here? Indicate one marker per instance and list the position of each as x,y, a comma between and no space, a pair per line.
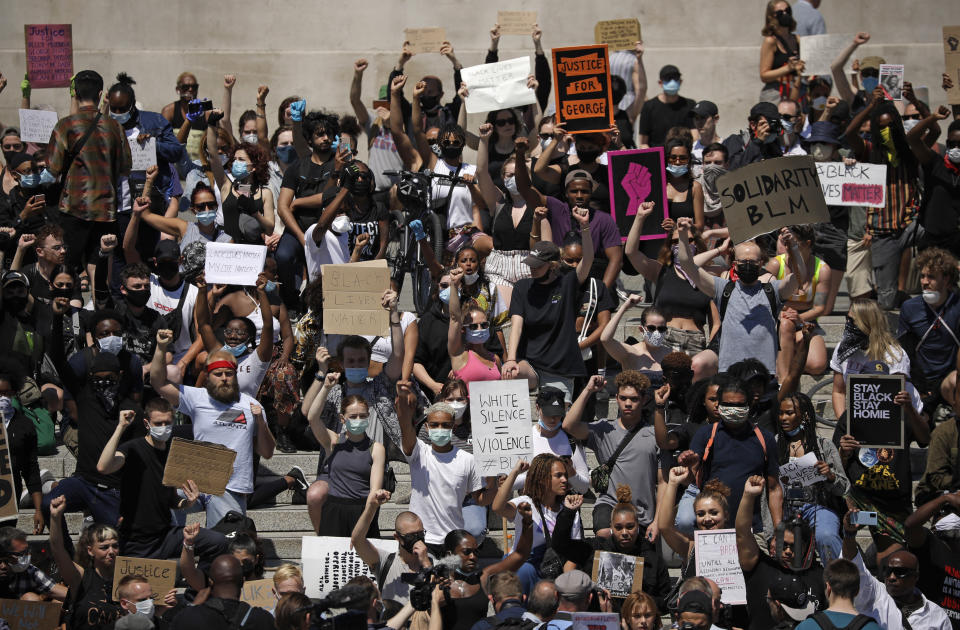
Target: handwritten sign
259,593
872,416
617,572
8,498
208,465
24,615
229,263
425,40
717,559
498,85
635,176
49,49
500,413
352,298
161,574
329,562
144,156
36,125
768,195
951,61
581,80
862,184
516,22
819,51
618,34
802,470
593,621
891,80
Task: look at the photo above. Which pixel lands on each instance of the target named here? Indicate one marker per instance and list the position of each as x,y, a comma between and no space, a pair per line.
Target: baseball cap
704,109
105,362
579,174
793,596
167,248
872,62
696,602
13,277
551,401
668,72
767,110
542,253
574,585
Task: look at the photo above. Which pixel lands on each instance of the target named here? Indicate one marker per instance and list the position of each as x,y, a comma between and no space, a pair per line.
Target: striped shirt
90,193
903,200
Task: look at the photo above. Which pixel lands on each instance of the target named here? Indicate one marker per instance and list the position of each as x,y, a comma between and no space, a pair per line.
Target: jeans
102,502
290,261
686,520
885,251
475,521
529,571
826,526
208,545
217,507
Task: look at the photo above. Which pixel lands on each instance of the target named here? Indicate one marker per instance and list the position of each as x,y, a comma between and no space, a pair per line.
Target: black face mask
248,568
55,292
784,18
588,155
362,187
7,155
139,297
167,269
451,151
106,390
408,541
565,269
428,103
748,272
14,304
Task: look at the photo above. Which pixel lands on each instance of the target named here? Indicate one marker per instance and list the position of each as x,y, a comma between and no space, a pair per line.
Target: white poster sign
862,184
717,559
142,155
594,621
329,562
819,51
36,125
498,85
500,417
229,263
802,470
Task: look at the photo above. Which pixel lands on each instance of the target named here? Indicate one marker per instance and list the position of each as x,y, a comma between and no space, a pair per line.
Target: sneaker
299,485
284,445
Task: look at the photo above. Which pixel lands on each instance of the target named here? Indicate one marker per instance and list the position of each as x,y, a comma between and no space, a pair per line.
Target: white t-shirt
383,346
250,372
231,425
460,210
559,445
164,301
440,482
859,363
549,516
335,250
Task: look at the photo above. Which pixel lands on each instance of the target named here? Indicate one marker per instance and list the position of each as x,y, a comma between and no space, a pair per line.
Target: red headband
221,364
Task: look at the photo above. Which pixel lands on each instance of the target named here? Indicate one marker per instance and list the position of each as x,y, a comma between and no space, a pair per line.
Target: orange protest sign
581,79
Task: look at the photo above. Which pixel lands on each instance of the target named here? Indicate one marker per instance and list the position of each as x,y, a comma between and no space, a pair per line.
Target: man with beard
221,414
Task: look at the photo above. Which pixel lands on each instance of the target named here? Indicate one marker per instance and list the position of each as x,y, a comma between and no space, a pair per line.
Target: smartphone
864,518
383,104
203,106
41,198
244,189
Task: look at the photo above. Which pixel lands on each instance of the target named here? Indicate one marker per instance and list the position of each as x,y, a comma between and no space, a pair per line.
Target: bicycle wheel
436,234
422,285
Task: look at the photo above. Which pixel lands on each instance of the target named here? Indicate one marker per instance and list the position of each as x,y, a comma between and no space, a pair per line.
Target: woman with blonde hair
639,612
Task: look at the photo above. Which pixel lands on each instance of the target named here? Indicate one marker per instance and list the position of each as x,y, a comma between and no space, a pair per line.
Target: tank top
477,370
780,59
807,296
349,465
676,298
459,211
256,316
682,208
233,207
466,611
508,238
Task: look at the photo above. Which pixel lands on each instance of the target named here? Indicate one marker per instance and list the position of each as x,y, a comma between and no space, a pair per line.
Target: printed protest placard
258,593
516,22
425,40
23,615
581,82
498,85
819,51
352,298
891,80
717,559
872,416
329,562
862,184
36,125
161,574
500,416
768,195
8,498
144,155
594,621
951,61
618,34
802,470
208,465
635,176
49,49
617,572
229,263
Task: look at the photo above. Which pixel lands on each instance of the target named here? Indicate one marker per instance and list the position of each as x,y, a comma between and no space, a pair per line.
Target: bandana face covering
853,340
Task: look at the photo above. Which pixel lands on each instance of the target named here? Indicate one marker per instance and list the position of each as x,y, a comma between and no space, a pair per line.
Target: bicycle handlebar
426,173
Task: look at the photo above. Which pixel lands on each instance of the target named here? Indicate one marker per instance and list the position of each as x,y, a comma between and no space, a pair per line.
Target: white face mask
21,565
654,338
459,408
250,138
161,434
510,183
111,343
953,155
470,278
341,224
931,297
145,607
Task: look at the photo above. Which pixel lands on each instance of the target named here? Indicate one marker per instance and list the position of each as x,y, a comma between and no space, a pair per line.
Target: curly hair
676,361
48,229
538,477
718,491
937,260
634,379
624,502
320,121
260,171
803,407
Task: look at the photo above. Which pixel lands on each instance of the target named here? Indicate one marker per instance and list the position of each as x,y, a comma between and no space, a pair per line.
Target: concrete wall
307,47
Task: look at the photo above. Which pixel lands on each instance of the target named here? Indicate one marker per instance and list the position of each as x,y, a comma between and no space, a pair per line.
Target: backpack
234,522
515,623
701,472
857,623
771,297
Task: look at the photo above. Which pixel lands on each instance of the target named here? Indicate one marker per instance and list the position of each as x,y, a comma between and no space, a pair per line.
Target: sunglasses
470,552
652,328
788,117
900,572
477,325
188,86
787,11
13,147
545,136
503,122
209,205
911,117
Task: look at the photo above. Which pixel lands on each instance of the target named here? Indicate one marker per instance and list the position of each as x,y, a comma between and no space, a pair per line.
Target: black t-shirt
139,331
40,286
92,605
939,577
95,427
657,118
306,179
888,484
367,222
432,348
940,210
208,617
145,502
549,311
622,120
758,582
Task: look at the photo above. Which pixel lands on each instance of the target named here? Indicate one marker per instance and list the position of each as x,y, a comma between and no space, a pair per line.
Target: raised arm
675,539
265,441
363,117
110,460
70,573
573,422
188,565
685,259
394,366
201,312
226,123
454,334
648,267
158,368
925,155
491,194
852,133
358,537
501,502
747,547
638,76
416,123
406,405
582,217
531,195
325,436
543,168
219,176
263,138
836,68
515,559
665,440
408,154
620,351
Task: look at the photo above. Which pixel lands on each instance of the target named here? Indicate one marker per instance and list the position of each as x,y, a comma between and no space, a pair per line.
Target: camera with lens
422,583
776,126
352,598
796,496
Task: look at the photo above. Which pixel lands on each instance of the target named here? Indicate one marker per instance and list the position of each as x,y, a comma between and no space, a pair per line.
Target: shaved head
407,522
226,573
748,251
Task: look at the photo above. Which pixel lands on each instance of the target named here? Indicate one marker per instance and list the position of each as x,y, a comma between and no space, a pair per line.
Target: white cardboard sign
142,156
717,559
229,263
819,52
862,184
498,85
500,417
802,470
329,562
36,125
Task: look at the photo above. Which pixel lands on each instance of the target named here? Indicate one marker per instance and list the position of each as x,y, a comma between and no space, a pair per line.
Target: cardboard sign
802,470
500,416
516,22
329,562
498,85
8,498
594,621
891,80
717,559
352,298
951,61
618,34
259,593
872,416
36,125
24,615
160,573
617,572
862,184
819,52
208,465
49,49
425,40
581,81
144,155
635,176
768,195
229,263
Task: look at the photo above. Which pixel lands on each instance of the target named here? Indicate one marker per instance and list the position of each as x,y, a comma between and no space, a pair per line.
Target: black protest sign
636,176
771,194
872,415
8,499
581,82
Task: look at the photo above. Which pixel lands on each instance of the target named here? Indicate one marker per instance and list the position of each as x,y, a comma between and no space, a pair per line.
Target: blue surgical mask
445,295
239,169
787,126
478,336
796,431
30,180
677,170
870,84
357,426
46,178
237,351
671,87
286,153
121,118
510,183
545,427
355,375
440,437
206,217
111,343
270,286
819,103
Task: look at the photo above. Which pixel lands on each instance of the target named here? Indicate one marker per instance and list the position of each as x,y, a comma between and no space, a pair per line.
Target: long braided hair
538,477
803,407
